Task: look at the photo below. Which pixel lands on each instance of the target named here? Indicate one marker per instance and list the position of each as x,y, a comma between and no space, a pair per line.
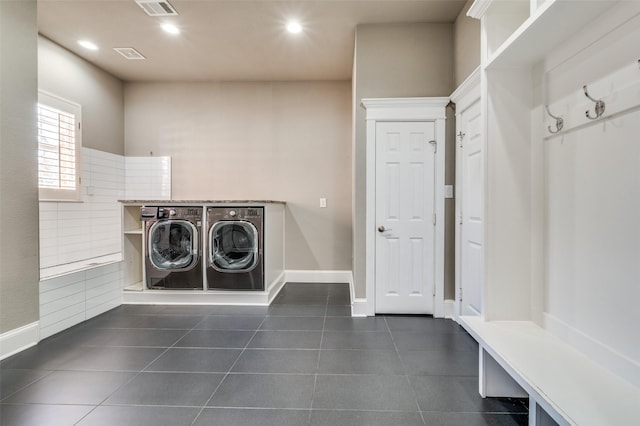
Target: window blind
59,143
56,148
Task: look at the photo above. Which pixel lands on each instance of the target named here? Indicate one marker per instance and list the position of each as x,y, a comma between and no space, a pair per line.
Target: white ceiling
229,40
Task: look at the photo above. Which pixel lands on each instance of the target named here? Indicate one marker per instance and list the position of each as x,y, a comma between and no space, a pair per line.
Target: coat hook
599,105
559,121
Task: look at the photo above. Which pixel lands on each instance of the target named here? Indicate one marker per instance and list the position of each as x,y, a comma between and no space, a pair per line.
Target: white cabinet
551,203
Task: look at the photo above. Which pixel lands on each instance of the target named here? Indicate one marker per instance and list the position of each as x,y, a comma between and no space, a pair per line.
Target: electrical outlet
323,203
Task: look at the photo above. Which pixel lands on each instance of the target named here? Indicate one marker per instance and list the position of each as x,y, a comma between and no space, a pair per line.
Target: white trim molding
479,8
595,350
246,298
468,92
359,307
466,95
404,109
312,276
19,339
450,309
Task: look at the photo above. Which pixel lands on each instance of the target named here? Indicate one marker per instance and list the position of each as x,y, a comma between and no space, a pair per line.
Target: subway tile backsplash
71,233
148,178
81,273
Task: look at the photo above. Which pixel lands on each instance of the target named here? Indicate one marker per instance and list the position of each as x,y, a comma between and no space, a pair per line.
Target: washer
173,259
233,248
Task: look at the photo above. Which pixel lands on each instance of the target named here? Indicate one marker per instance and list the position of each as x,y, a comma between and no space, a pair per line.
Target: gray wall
101,95
285,141
19,271
404,60
466,44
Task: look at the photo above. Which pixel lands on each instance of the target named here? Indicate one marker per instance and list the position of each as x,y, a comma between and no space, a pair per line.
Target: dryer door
233,246
173,245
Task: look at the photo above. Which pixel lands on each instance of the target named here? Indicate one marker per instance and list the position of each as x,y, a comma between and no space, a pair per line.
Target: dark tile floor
301,361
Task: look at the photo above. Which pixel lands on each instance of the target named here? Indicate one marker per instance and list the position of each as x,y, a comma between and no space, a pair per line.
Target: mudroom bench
564,386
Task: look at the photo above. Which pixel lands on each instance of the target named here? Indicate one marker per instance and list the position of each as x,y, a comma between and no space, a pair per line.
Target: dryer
234,248
173,258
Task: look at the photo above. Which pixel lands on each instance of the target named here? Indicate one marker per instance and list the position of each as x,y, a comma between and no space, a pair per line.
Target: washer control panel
155,213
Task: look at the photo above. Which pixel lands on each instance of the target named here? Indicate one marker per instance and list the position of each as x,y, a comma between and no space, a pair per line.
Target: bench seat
562,383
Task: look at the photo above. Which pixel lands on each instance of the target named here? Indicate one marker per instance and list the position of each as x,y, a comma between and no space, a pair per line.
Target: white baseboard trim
275,287
449,309
201,297
311,276
19,339
359,307
263,298
599,352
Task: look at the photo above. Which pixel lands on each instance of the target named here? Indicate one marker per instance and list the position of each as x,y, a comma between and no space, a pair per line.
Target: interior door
470,210
405,237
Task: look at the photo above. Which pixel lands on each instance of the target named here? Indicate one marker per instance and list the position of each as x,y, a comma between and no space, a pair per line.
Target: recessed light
171,29
294,27
87,45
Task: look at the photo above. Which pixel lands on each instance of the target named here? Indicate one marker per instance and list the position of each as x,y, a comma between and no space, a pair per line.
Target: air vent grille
157,8
129,53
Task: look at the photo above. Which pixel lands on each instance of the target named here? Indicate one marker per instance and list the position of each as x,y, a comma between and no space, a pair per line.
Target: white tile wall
69,299
148,178
73,232
74,237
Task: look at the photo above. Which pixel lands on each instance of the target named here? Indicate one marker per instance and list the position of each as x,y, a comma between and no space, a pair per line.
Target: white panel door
405,241
470,214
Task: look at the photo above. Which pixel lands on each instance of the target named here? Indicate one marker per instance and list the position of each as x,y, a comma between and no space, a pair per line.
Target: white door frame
464,96
405,109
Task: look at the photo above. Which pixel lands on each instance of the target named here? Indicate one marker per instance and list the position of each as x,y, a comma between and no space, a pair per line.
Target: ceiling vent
157,8
129,53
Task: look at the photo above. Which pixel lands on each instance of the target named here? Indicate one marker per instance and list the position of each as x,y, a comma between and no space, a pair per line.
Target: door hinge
461,136
434,219
434,144
78,125
460,294
460,217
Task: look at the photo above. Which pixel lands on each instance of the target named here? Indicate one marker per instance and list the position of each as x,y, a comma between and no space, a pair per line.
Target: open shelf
552,23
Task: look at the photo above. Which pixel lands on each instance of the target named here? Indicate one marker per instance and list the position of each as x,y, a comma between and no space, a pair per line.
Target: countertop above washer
178,202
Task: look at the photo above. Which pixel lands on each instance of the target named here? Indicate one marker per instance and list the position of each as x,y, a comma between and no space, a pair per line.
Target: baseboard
275,287
599,352
449,309
359,307
311,276
19,339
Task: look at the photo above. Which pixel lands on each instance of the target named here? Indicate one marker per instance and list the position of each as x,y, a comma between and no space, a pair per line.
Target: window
59,143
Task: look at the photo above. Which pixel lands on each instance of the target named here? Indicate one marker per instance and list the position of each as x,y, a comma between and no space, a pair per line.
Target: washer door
173,245
233,246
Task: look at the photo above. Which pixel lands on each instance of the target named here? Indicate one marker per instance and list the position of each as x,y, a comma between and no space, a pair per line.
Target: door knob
381,228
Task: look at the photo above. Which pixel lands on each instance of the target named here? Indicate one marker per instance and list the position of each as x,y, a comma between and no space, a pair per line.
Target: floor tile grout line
406,375
315,376
137,373
228,371
49,372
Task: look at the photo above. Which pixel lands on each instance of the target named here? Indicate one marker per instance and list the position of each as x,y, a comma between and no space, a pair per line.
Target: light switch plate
323,203
448,191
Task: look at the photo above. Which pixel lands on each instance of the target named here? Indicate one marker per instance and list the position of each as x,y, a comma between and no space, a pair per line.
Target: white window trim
62,195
